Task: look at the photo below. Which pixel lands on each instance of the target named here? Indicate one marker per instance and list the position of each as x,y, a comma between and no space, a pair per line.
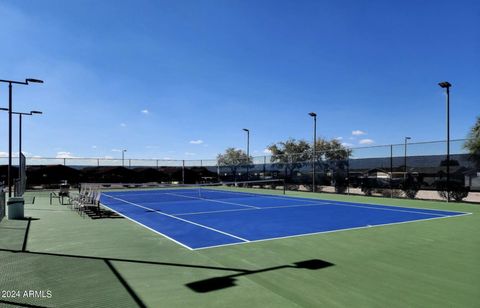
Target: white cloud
15,154
339,138
145,111
199,141
123,125
116,150
346,144
64,154
94,146
190,154
267,151
166,157
366,141
358,132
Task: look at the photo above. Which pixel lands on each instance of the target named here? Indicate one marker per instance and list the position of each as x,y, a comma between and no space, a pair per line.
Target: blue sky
180,79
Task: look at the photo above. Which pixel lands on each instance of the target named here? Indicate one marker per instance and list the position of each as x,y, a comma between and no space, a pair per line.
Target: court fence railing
366,168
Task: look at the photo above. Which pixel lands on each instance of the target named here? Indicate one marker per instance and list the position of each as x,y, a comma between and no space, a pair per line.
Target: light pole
446,85
248,150
314,115
20,114
10,108
405,159
123,157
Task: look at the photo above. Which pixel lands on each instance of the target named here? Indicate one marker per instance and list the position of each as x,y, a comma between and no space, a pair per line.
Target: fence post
264,167
98,162
64,161
348,175
129,163
157,163
183,171
391,170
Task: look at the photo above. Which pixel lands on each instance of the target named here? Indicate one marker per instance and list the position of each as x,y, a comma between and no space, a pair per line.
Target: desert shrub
395,193
458,191
341,183
410,186
367,185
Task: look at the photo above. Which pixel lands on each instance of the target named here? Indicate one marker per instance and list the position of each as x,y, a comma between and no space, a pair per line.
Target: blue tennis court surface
213,217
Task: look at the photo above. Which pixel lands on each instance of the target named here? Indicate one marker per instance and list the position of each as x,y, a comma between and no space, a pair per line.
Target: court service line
213,200
181,219
261,208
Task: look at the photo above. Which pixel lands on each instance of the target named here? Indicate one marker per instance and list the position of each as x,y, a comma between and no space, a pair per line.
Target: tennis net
151,192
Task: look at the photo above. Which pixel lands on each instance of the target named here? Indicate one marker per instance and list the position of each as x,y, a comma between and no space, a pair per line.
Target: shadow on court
85,280
218,283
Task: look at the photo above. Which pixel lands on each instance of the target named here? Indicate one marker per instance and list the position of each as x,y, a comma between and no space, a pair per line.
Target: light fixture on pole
314,115
10,108
446,85
20,114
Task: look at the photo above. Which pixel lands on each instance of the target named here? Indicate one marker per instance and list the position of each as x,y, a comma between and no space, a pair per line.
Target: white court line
326,201
260,208
331,231
241,193
395,210
184,220
137,222
334,202
194,198
213,200
373,207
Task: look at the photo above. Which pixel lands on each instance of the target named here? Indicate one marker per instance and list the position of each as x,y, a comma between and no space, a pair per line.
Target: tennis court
198,217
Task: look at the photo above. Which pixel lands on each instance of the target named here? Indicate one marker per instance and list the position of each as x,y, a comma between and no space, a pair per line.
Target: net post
284,186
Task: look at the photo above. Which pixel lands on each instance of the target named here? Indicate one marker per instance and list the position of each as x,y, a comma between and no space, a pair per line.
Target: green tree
331,150
332,155
233,159
293,154
290,154
473,142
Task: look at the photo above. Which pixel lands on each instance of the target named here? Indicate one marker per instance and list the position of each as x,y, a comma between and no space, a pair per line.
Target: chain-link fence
400,167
